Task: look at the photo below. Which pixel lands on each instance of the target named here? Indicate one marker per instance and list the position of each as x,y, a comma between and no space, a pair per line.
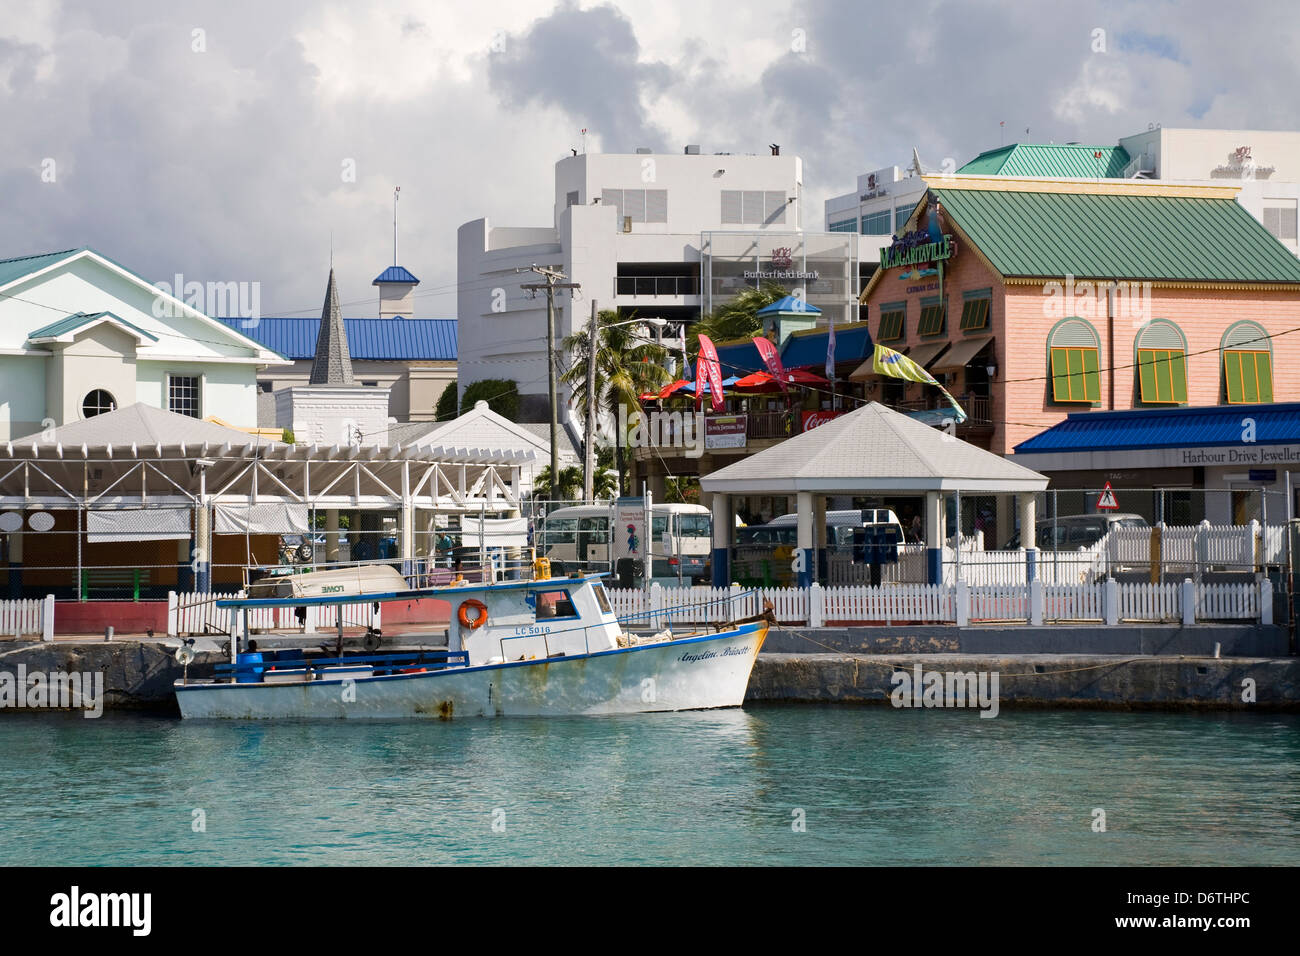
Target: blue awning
1274,424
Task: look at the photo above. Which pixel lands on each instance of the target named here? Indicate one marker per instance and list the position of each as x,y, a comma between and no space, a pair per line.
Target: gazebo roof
873,449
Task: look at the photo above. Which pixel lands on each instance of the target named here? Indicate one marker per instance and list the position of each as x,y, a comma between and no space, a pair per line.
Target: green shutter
931,320
1232,365
1091,375
891,326
1178,373
1162,376
1075,377
974,315
1264,371
1249,376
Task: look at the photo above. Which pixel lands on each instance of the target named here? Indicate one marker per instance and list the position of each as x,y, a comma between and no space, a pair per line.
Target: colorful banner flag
706,366
886,361
772,359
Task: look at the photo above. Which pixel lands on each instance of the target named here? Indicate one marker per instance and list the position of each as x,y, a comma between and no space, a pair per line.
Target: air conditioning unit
627,223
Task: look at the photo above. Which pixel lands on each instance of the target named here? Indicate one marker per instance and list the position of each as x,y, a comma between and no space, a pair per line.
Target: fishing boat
541,647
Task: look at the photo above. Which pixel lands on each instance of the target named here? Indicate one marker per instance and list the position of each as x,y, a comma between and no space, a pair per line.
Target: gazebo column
16,564
819,536
1028,529
332,535
804,541
724,519
933,537
407,538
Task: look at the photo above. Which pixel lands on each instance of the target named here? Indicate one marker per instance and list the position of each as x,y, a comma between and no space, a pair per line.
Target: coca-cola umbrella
758,382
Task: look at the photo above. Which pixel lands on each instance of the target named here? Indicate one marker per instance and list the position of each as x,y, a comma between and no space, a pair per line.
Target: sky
239,141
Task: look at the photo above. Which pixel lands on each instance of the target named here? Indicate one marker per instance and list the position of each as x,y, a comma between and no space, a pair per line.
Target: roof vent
693,149
643,150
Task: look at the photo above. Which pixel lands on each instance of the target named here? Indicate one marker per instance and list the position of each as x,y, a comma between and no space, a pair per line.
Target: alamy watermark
58,690
683,430
946,689
77,909
242,300
1086,299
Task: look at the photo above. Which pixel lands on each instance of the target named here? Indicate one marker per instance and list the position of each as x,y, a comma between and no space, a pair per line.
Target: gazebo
871,451
145,496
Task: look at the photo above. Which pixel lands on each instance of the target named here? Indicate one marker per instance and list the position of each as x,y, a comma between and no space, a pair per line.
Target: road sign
1107,500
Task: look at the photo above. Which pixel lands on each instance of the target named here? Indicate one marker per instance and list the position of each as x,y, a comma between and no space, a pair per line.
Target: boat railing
726,605
314,668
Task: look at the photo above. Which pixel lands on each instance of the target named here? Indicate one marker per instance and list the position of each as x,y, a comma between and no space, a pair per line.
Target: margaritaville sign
916,248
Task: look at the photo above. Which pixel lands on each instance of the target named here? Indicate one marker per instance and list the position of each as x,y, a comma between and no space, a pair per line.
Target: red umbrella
800,376
758,382
672,387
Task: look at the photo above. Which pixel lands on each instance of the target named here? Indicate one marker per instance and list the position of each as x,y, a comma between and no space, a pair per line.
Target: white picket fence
196,614
1109,601
28,617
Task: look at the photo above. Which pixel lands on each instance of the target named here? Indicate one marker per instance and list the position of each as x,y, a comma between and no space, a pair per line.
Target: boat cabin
531,620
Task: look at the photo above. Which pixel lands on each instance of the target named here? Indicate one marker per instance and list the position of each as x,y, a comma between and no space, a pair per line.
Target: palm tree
568,488
626,367
737,319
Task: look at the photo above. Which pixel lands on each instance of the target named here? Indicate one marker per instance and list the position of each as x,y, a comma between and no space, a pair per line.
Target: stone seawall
1042,680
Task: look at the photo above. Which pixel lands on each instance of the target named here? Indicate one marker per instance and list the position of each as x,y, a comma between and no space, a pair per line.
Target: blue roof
852,344
394,274
740,358
791,303
368,339
1275,424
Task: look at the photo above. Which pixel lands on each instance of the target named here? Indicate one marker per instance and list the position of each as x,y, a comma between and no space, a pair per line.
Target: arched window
97,402
1073,354
1247,363
1161,364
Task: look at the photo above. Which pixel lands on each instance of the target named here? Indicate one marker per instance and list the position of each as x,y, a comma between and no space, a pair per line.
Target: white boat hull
688,674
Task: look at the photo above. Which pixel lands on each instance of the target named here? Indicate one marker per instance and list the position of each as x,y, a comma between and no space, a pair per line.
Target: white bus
578,538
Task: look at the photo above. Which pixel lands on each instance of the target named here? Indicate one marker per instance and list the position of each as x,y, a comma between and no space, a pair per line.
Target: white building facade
80,336
876,210
655,235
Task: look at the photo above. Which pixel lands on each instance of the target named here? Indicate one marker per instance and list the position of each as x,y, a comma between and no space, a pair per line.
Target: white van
578,537
839,525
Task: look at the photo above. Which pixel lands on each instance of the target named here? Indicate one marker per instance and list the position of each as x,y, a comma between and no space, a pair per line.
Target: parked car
1072,532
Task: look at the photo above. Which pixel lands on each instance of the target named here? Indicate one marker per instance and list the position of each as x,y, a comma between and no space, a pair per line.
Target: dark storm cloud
586,63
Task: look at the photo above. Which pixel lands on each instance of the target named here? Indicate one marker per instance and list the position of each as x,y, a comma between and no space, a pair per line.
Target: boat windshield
602,599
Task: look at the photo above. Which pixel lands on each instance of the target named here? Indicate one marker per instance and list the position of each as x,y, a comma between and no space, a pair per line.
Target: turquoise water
875,786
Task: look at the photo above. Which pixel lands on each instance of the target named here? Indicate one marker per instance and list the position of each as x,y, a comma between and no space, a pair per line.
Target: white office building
655,235
876,210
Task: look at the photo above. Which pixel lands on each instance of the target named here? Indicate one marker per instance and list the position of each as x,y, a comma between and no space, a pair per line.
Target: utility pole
589,456
552,277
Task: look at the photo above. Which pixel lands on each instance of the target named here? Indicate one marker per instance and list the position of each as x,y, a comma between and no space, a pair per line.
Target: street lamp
589,456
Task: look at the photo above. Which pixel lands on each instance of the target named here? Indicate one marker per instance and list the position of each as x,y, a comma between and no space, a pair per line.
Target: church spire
333,363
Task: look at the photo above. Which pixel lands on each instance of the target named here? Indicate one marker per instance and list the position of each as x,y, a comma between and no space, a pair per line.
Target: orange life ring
478,621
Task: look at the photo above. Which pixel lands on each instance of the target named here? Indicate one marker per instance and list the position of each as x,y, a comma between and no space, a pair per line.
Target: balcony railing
771,424
979,408
656,286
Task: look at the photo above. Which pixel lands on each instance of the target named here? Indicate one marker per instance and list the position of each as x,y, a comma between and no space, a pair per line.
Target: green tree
626,366
735,320
446,408
568,488
501,395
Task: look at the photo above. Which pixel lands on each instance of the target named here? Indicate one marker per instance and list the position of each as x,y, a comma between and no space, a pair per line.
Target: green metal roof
1055,161
1119,236
11,269
79,319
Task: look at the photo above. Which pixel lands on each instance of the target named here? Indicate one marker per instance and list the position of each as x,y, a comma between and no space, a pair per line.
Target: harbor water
759,785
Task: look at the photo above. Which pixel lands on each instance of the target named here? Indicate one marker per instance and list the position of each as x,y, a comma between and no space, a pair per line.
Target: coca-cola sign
813,419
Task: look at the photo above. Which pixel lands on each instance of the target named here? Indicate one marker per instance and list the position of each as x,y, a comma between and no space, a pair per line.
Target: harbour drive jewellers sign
916,248
782,267
1251,455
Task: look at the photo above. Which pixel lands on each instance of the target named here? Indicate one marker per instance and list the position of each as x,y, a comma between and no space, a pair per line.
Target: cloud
229,164
586,63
